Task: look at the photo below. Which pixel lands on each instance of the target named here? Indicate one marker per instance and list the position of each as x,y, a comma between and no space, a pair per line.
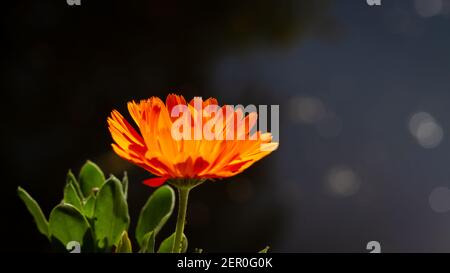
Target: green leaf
155,212
89,206
91,176
148,243
124,245
35,210
110,214
125,184
71,196
70,178
167,244
67,224
265,250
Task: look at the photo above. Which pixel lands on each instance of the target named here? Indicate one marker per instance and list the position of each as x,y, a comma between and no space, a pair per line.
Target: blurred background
364,95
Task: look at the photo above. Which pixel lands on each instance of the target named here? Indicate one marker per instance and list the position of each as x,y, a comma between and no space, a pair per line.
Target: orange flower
155,149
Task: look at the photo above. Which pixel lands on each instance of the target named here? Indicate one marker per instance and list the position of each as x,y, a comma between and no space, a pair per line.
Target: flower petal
155,182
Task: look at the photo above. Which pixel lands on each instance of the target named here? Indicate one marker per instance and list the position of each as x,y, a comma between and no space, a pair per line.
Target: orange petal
155,182
200,165
210,101
173,100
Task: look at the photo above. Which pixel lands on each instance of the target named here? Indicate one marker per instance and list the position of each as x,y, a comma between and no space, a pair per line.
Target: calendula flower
188,143
161,148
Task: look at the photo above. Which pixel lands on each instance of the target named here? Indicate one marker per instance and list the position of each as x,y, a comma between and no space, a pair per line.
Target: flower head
170,143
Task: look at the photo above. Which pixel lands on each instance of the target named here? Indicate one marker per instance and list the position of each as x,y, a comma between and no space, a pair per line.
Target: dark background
364,95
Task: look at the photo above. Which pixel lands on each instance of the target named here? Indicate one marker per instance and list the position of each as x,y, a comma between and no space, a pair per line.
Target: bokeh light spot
307,110
440,199
428,8
342,181
426,130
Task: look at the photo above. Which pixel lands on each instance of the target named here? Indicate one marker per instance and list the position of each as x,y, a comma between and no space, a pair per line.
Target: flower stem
183,194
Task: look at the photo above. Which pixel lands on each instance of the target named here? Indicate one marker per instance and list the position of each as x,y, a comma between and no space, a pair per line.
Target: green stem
183,194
